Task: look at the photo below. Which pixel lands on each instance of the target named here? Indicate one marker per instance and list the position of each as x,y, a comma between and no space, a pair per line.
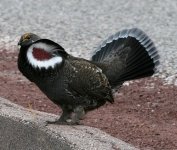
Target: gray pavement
80,25
24,129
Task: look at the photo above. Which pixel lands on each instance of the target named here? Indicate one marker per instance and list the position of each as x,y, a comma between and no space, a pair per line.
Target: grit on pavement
79,26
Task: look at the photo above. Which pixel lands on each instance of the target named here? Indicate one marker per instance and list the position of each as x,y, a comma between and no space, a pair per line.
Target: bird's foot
73,122
64,122
69,117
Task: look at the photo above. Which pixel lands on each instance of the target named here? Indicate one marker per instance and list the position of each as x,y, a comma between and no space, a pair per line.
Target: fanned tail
127,55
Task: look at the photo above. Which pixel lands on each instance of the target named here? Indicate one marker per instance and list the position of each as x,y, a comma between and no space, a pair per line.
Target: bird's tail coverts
129,54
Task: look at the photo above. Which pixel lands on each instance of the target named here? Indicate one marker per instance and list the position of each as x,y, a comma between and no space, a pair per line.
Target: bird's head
41,53
27,39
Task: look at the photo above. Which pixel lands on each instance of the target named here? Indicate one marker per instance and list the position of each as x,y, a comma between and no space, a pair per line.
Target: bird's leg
63,118
78,114
70,117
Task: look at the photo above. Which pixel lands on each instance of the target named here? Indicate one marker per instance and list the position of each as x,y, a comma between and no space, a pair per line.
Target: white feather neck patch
43,63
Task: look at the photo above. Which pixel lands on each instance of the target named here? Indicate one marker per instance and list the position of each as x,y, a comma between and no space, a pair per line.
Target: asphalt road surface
80,25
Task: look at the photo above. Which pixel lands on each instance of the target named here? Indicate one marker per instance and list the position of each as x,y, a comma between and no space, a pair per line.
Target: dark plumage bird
78,85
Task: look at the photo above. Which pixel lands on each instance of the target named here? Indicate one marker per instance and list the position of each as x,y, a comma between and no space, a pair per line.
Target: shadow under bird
78,85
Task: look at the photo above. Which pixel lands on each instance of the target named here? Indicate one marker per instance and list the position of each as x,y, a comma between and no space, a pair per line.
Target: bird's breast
52,87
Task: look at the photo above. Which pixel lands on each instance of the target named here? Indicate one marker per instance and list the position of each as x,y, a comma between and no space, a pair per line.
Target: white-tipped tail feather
131,48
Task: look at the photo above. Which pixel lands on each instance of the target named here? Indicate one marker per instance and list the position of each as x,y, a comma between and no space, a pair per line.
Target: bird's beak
19,45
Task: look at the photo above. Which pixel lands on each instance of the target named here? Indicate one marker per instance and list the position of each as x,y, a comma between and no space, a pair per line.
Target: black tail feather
134,50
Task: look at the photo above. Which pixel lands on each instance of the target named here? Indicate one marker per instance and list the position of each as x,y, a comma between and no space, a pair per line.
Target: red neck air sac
41,54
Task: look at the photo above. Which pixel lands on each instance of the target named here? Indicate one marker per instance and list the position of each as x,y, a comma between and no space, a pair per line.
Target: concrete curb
24,129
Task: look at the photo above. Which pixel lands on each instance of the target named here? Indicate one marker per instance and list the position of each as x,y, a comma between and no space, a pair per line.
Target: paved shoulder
22,128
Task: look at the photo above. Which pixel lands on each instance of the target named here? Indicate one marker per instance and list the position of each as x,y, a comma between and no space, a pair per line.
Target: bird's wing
87,80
